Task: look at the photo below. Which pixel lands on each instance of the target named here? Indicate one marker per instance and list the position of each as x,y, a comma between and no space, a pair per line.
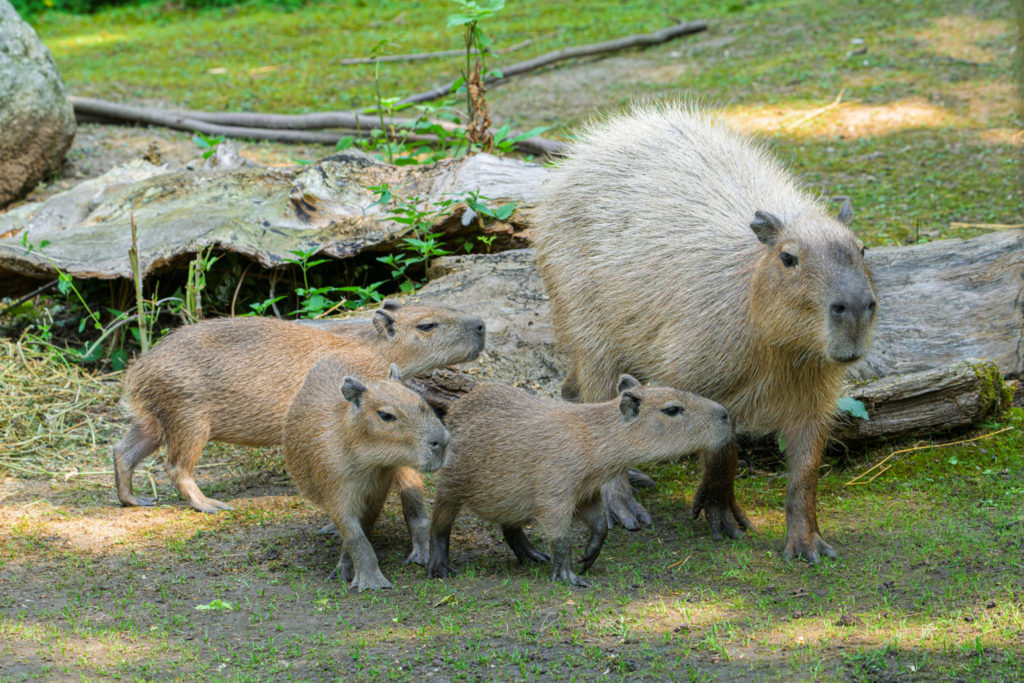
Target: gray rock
36,120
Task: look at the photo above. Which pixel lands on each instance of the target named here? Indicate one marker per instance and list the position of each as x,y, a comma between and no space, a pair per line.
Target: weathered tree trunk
952,396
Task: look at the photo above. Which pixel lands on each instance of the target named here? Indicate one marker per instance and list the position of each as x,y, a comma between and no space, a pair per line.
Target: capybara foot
724,515
370,580
420,556
209,505
811,547
622,508
440,569
328,529
132,500
566,576
639,480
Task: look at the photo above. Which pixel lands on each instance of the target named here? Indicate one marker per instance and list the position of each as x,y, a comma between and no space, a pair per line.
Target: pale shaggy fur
518,458
344,445
646,246
232,380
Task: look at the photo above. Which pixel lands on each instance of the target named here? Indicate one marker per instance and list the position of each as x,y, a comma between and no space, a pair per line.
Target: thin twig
234,296
817,112
680,563
988,226
918,448
34,292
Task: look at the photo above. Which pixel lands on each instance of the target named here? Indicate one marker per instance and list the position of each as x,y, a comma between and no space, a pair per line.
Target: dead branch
277,127
640,40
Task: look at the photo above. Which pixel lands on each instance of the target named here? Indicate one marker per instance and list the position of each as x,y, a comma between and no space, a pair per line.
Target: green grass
930,584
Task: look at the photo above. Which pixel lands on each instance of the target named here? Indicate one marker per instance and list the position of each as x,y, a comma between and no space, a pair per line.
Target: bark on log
642,40
944,398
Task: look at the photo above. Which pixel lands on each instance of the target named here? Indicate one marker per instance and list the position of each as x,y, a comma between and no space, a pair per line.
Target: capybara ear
766,226
384,323
626,382
394,373
629,404
390,305
353,390
846,211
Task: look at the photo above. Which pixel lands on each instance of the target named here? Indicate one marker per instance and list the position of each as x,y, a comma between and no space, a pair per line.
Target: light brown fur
518,458
345,443
232,380
676,250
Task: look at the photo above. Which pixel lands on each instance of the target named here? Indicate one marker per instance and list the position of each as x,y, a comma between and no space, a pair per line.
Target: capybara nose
439,442
853,308
723,414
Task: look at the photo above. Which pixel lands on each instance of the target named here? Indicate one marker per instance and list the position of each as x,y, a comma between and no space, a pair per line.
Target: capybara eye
788,259
387,417
426,327
672,411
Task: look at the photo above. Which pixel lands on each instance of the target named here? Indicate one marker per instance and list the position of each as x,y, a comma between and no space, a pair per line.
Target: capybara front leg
521,546
414,509
803,539
141,440
445,512
365,572
716,494
562,563
592,513
622,507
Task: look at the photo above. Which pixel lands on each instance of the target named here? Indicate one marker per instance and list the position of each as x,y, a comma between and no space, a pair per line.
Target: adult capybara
232,380
678,251
345,442
517,458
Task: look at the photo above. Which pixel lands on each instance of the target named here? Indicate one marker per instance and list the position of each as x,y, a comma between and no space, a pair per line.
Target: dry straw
56,418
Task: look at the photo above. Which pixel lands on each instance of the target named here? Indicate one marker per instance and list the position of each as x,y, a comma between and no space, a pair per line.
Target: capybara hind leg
621,507
133,448
716,496
521,546
445,512
182,454
414,509
592,512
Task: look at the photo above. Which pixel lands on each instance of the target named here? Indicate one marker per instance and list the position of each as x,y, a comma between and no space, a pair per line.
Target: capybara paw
440,570
210,505
811,547
724,515
626,512
370,581
639,480
420,556
144,501
566,576
328,529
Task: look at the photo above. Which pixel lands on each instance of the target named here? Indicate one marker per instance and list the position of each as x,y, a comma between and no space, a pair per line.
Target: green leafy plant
207,143
853,407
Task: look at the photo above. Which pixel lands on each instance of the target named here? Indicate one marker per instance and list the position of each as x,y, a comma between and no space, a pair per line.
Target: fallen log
306,128
956,395
641,40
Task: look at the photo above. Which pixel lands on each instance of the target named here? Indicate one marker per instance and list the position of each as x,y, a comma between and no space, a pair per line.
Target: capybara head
669,422
425,337
811,289
394,423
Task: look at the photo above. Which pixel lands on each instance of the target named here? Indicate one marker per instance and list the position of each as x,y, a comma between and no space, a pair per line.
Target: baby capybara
517,458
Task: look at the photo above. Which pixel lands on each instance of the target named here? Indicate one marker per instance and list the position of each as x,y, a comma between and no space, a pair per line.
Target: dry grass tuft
57,418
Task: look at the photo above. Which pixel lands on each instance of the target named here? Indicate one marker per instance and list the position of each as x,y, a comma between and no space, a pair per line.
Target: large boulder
37,123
